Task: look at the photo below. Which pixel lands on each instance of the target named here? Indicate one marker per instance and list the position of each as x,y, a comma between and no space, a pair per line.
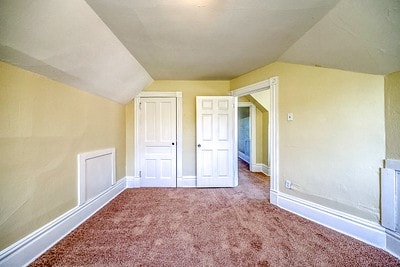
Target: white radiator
96,173
390,195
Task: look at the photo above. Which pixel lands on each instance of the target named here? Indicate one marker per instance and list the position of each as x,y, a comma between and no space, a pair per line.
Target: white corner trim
361,229
132,182
393,243
35,244
186,181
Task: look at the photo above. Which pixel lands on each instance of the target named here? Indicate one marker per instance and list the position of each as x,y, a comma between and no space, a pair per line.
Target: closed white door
157,142
215,141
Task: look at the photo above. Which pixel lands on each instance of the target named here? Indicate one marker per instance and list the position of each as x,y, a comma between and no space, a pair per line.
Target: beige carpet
206,227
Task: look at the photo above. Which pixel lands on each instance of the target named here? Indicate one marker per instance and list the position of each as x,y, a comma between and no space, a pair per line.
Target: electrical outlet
288,184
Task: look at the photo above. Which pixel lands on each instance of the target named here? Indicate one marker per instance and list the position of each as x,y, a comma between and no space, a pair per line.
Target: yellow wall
129,114
43,126
259,136
333,149
392,115
265,125
189,89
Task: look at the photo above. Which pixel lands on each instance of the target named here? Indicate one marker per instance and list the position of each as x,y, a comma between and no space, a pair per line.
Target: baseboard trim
393,243
273,197
256,167
261,167
132,182
266,169
186,181
35,244
244,157
361,229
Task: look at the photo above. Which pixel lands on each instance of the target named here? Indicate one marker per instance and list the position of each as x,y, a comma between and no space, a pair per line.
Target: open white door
157,142
215,117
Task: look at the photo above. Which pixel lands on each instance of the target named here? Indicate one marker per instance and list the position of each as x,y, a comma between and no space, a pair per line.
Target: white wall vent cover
96,173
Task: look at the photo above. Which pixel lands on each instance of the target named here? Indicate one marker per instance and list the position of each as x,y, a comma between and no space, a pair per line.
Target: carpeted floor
206,227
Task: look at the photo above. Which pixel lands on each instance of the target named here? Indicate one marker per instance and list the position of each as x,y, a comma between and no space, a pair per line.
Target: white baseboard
361,229
132,182
35,244
186,181
261,167
266,169
256,167
393,243
244,157
273,197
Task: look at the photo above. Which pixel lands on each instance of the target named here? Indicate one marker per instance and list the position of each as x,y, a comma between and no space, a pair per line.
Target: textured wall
43,126
392,115
333,149
129,114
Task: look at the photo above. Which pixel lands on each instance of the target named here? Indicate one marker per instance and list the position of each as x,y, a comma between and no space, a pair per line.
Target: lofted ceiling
115,48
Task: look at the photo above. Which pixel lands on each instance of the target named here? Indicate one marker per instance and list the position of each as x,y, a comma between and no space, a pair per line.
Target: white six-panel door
157,142
215,141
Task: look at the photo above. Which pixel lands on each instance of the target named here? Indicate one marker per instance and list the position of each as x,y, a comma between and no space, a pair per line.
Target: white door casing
157,135
215,135
273,142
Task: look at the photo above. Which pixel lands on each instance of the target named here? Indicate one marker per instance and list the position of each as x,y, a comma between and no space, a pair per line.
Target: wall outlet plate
288,184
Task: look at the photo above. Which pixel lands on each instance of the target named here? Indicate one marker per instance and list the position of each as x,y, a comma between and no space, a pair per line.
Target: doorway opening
263,149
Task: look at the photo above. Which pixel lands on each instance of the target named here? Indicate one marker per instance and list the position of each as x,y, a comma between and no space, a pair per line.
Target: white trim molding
273,140
187,181
361,229
393,243
132,182
261,167
35,244
253,88
244,157
266,169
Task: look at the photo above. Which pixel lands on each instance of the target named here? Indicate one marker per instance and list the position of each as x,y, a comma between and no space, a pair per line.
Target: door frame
137,154
253,132
273,85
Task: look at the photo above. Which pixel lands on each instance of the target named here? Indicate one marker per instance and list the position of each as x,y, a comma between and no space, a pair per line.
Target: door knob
198,145
173,143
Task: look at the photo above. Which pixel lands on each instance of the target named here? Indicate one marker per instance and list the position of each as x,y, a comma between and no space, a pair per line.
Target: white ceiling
66,41
356,35
97,45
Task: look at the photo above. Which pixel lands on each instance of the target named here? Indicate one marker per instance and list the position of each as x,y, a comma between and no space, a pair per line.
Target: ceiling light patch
199,3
